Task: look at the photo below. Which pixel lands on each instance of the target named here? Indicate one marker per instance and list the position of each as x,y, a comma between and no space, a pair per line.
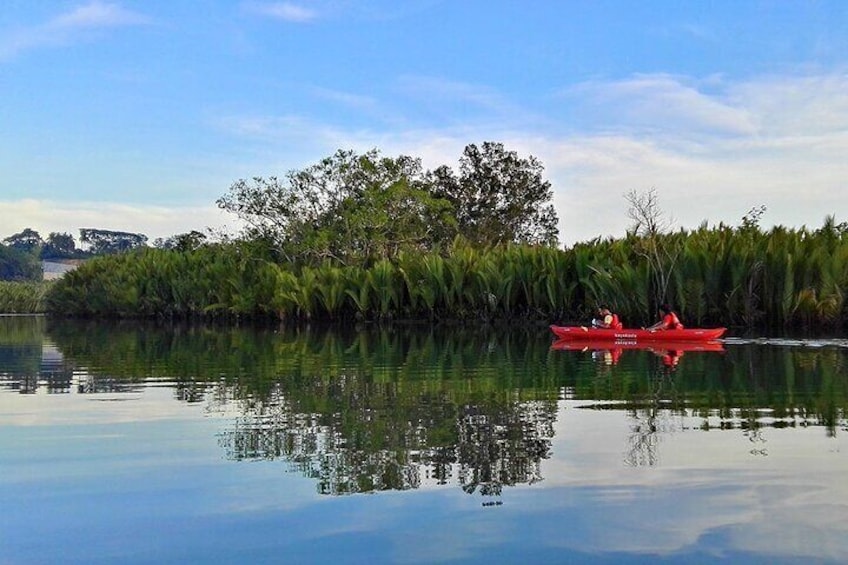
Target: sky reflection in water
136,444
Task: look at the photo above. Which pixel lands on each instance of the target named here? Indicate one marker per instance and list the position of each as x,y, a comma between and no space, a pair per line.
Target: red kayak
655,346
584,333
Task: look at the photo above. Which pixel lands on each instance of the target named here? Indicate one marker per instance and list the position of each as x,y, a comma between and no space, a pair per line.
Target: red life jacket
672,322
616,323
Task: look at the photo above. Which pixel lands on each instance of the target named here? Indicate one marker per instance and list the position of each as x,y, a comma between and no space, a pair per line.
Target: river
143,443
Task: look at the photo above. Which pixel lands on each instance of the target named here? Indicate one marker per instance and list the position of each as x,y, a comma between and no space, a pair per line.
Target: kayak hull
655,346
583,333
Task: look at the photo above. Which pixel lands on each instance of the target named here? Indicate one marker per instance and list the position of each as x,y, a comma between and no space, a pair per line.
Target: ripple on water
788,342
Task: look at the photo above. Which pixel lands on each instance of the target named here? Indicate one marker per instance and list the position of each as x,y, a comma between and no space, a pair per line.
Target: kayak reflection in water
607,356
670,358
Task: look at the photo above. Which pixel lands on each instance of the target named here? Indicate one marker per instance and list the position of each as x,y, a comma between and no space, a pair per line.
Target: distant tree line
21,253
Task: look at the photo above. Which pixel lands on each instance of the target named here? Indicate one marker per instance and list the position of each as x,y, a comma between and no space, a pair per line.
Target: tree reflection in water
401,408
391,443
653,413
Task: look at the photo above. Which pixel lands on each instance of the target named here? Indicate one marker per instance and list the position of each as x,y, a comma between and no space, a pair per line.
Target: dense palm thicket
713,275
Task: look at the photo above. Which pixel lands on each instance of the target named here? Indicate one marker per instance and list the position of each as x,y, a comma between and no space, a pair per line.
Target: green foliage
108,241
722,276
59,246
27,241
499,197
182,242
23,297
359,209
19,265
350,208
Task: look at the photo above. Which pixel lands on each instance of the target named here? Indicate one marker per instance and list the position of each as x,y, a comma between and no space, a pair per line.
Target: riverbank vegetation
368,237
741,276
23,297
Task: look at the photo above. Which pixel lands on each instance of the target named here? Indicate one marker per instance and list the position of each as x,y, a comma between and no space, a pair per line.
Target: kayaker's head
665,308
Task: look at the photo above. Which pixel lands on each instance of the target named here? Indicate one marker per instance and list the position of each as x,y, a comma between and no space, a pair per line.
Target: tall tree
499,197
59,245
108,241
346,207
27,240
650,225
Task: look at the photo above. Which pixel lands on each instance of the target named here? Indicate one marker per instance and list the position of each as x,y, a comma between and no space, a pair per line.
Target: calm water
135,443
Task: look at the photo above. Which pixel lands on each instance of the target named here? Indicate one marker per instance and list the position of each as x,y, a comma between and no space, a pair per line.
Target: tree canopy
499,197
59,245
182,242
27,240
107,241
352,207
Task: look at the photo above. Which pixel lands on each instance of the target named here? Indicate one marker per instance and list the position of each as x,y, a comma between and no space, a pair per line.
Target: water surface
137,443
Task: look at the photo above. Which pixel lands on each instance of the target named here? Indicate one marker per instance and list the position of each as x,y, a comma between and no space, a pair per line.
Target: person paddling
607,319
669,320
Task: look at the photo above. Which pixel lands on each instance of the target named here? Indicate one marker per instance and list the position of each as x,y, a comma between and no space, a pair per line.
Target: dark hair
665,308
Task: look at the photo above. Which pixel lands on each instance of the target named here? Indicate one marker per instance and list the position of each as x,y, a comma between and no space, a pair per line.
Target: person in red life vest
607,356
607,319
671,358
669,320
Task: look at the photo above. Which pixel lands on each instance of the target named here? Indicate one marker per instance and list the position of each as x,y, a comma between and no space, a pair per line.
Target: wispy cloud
96,15
286,11
266,128
812,104
346,99
713,150
661,102
69,27
448,100
361,10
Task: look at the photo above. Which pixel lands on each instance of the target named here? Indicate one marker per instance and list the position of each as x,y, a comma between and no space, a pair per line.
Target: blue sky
138,115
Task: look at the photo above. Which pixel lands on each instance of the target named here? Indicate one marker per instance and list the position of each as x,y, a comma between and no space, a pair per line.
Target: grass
23,297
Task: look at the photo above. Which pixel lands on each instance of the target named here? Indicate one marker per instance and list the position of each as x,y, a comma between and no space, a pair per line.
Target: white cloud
777,141
69,27
661,102
298,140
361,10
797,106
286,11
95,15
